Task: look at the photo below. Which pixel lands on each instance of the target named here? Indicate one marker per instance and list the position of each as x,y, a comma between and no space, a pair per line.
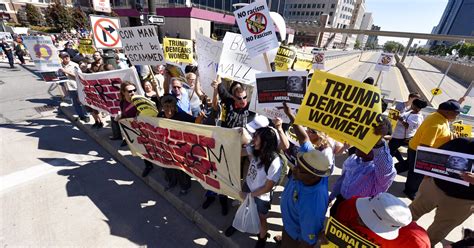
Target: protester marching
215,112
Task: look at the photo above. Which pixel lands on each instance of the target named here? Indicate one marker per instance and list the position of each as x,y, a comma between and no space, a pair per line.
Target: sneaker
100,125
229,231
85,119
95,125
209,200
115,138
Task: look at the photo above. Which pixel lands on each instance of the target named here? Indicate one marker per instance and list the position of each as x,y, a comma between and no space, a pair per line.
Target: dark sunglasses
134,90
241,98
176,87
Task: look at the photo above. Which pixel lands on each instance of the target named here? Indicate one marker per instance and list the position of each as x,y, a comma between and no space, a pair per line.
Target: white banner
257,28
43,52
101,90
384,62
142,46
209,52
209,154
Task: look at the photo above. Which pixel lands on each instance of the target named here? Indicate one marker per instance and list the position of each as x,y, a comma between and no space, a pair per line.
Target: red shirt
409,236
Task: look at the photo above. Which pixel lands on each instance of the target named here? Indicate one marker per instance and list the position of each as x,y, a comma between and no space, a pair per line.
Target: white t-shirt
256,177
414,122
71,67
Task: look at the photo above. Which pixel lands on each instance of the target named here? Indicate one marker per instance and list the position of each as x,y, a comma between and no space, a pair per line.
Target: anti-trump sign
178,50
101,91
256,26
345,109
209,154
142,46
339,235
284,58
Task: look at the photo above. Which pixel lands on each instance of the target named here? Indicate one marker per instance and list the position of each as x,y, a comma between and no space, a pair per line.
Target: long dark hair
268,147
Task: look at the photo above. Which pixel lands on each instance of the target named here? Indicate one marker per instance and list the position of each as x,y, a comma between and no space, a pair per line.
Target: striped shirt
365,179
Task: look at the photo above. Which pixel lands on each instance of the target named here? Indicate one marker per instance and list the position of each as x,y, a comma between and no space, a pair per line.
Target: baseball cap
369,80
316,162
64,54
258,122
384,214
450,105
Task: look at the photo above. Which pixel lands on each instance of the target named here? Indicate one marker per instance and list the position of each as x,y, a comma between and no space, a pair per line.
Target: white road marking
19,177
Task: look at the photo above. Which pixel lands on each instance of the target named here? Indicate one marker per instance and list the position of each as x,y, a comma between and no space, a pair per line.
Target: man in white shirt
405,129
69,69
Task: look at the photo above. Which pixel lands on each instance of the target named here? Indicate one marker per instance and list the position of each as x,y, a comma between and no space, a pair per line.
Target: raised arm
299,130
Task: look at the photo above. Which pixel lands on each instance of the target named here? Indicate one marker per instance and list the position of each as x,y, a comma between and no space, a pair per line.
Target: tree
80,19
59,16
392,46
33,15
22,18
357,44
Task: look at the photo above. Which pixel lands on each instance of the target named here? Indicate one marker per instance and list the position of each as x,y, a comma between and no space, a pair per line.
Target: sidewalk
210,220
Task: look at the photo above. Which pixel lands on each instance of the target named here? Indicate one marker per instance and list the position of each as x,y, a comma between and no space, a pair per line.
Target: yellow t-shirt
433,132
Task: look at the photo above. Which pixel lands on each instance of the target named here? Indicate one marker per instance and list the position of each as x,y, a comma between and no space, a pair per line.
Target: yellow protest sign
304,61
345,109
463,130
393,115
436,91
86,46
178,50
284,58
339,235
145,106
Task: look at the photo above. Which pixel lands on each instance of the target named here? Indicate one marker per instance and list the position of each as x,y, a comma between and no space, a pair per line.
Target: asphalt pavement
60,188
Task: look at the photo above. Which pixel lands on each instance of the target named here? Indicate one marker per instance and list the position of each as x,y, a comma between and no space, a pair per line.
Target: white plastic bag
246,218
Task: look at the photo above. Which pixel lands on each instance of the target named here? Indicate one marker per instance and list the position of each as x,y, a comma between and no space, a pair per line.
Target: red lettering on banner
185,150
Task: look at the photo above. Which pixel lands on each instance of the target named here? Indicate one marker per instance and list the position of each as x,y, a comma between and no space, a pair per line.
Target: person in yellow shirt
433,132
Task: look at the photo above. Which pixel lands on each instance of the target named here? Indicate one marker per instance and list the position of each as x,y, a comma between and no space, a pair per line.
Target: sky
418,16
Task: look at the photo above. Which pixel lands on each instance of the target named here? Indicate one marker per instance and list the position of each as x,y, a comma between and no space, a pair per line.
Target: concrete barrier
464,73
409,81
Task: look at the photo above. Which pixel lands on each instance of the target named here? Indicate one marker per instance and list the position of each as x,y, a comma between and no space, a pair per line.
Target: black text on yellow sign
345,109
284,58
178,50
341,236
463,130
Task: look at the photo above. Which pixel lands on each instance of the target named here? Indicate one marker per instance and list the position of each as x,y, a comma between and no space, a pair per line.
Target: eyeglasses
176,87
130,91
241,98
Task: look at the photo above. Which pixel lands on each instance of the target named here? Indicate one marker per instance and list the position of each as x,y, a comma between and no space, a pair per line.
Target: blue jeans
80,110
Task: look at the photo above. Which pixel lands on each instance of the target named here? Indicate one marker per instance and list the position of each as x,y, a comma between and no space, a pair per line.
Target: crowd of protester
358,198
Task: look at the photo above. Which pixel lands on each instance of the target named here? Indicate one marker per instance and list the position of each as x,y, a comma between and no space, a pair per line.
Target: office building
366,24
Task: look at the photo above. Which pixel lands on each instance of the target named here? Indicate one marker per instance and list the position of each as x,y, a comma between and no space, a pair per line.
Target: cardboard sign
274,88
384,62
442,164
318,60
54,76
209,51
102,6
393,115
463,130
101,90
142,46
339,235
304,61
345,109
209,154
43,52
256,26
235,63
6,35
178,50
105,32
86,46
284,58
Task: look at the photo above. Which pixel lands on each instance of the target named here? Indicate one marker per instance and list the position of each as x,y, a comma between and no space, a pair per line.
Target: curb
183,207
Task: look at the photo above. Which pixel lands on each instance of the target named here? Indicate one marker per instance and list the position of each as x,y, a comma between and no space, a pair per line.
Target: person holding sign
453,202
433,132
384,220
305,198
365,174
403,107
405,129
